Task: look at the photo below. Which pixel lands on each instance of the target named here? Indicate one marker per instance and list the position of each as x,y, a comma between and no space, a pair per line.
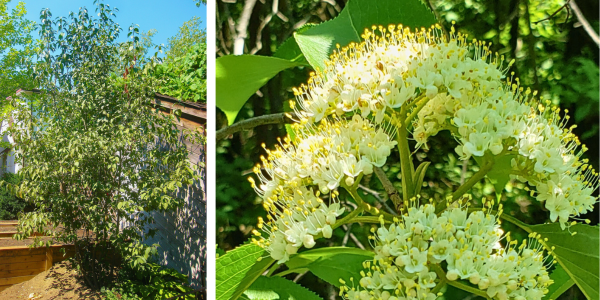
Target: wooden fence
21,263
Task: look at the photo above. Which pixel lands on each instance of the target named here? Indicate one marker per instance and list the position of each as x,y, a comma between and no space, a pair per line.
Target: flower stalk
406,166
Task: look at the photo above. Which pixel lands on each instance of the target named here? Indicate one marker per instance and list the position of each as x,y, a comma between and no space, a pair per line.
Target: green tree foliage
185,77
146,41
189,34
149,281
96,156
183,71
10,205
16,49
198,2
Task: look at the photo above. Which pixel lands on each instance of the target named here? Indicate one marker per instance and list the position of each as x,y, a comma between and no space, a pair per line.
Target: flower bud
452,275
475,278
308,241
483,284
327,232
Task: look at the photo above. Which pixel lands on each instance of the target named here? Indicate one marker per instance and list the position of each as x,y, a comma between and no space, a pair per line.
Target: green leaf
238,77
268,288
318,42
562,282
578,254
290,131
236,270
290,50
419,175
332,263
499,175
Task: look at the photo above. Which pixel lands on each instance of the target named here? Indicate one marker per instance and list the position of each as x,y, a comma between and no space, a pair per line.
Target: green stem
363,219
453,129
272,269
470,289
348,218
487,166
516,222
290,271
406,167
457,284
488,163
439,286
366,206
415,101
420,104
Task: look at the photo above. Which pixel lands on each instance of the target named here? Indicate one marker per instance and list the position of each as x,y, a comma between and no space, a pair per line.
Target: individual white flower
414,261
439,250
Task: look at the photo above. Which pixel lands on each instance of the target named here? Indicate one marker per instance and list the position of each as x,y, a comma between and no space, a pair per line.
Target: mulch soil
60,282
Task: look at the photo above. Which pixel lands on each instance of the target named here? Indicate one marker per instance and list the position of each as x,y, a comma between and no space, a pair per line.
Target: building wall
182,234
7,158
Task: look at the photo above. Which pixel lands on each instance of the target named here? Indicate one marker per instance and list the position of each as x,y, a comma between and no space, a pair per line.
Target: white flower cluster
326,156
543,152
389,70
408,251
451,84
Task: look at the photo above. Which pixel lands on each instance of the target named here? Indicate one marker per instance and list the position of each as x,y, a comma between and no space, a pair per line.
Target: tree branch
487,166
389,188
279,118
586,25
378,197
242,27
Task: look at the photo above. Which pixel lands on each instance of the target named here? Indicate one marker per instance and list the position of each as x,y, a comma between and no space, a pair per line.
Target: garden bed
8,229
21,263
10,242
60,282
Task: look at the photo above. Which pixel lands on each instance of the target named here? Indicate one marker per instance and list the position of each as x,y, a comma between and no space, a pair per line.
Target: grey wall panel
182,234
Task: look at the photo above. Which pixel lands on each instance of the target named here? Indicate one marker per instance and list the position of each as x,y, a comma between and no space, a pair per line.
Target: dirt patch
60,282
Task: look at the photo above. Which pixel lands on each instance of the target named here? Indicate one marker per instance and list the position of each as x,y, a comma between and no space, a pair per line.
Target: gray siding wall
182,234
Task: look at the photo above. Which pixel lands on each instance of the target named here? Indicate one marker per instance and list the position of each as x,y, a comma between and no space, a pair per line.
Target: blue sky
166,16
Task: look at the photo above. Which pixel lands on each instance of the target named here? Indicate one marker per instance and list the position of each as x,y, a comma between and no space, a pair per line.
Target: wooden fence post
48,258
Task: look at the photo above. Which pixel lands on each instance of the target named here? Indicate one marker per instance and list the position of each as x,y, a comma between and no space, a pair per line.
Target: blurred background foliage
554,55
